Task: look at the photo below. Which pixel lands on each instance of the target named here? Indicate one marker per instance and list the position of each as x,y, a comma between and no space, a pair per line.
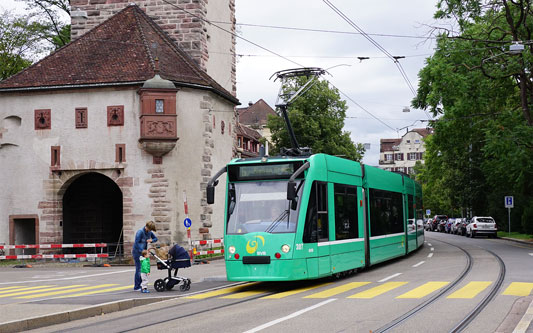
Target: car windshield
261,206
485,220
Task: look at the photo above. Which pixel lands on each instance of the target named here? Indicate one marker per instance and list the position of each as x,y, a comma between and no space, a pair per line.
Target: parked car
462,227
428,225
441,222
455,229
436,222
448,225
482,225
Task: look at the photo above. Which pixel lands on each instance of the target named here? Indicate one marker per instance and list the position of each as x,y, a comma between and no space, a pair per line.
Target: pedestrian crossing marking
518,289
295,291
21,289
98,291
68,291
470,290
376,291
424,290
219,292
37,290
337,290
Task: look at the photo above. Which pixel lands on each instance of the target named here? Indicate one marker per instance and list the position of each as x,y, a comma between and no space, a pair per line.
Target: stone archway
93,212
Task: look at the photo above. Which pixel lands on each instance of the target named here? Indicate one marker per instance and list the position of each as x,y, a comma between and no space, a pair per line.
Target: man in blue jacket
142,238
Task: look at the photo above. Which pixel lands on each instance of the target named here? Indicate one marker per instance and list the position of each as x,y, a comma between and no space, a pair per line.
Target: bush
527,219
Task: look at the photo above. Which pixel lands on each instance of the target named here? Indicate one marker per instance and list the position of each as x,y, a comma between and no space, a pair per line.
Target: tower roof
120,51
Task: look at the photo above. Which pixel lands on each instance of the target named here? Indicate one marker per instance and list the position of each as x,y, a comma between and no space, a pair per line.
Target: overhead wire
274,53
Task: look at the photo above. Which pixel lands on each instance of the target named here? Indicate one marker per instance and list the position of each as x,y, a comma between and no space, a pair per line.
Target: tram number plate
256,260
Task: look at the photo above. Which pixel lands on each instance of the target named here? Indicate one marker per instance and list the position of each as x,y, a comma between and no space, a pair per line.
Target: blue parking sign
509,202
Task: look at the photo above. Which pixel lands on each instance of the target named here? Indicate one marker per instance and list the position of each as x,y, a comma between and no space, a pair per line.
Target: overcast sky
399,27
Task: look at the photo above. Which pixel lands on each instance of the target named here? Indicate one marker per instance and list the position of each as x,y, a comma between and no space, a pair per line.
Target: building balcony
384,162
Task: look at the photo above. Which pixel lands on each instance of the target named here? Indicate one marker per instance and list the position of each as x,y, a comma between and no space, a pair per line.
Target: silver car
482,225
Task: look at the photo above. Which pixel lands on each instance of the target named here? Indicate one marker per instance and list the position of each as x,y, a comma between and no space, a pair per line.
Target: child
145,271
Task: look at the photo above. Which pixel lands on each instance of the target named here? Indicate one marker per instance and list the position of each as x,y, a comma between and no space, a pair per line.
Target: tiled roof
255,114
423,131
118,51
387,144
247,132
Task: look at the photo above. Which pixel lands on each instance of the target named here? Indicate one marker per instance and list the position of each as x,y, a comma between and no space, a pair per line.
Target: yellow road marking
376,291
98,291
68,291
519,289
424,289
219,292
22,289
471,289
244,294
295,291
12,287
337,290
36,290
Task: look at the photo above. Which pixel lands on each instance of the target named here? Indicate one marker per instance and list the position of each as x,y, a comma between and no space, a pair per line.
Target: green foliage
527,219
482,146
317,118
33,35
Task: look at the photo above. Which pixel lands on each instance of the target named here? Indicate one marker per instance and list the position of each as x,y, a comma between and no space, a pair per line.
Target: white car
482,226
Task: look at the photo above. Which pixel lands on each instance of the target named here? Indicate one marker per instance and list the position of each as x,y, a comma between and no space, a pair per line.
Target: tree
317,118
18,44
482,146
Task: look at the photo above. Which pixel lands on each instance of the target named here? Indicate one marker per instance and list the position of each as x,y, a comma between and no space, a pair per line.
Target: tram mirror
294,204
291,190
210,194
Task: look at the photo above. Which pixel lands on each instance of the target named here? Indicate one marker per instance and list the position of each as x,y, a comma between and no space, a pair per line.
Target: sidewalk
16,317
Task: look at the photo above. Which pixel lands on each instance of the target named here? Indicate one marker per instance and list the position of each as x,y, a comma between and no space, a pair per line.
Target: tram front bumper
276,270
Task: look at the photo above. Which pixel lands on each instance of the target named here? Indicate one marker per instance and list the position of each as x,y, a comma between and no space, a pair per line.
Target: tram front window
260,207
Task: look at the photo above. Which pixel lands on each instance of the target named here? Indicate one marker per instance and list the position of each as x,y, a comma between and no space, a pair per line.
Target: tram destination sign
262,171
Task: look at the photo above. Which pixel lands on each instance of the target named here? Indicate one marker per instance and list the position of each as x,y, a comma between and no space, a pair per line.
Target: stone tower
185,21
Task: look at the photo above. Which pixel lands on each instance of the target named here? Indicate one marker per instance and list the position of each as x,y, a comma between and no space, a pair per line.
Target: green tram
295,218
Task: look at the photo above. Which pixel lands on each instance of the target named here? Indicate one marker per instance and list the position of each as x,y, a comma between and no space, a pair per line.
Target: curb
63,317
517,240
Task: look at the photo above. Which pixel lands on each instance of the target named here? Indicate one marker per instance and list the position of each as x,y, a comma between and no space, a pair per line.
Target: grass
515,235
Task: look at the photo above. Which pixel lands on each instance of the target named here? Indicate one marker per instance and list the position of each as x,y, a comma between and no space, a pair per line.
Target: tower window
81,117
120,153
159,106
56,155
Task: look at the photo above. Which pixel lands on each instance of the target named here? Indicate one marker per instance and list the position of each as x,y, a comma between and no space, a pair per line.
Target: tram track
461,325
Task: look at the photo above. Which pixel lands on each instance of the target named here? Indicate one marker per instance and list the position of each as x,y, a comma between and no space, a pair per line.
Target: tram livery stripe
98,291
53,293
337,290
424,290
295,291
519,289
219,292
376,291
36,290
471,290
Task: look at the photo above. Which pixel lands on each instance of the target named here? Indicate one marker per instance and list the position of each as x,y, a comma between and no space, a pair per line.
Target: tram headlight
285,248
231,249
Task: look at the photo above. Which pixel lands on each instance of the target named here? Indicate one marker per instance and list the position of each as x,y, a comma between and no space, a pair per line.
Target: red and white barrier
55,256
209,241
51,246
200,253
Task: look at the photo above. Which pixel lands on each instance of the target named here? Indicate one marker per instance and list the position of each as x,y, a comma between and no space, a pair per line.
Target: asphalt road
367,301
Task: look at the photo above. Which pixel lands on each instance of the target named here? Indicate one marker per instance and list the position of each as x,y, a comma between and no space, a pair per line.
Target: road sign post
509,203
187,223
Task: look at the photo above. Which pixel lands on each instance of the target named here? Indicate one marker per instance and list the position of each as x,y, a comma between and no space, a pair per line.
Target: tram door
317,225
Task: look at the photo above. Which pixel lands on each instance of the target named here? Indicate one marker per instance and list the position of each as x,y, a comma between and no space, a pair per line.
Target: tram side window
386,212
410,213
316,220
419,212
345,212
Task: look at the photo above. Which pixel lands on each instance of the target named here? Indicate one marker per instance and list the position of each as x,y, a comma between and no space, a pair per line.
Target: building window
412,156
398,156
222,126
159,106
388,157
408,141
43,119
115,115
417,141
81,117
55,160
239,142
120,153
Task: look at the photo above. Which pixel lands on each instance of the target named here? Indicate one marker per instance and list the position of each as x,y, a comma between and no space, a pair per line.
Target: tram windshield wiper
277,221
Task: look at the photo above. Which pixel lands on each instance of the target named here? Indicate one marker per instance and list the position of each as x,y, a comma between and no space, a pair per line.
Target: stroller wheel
159,285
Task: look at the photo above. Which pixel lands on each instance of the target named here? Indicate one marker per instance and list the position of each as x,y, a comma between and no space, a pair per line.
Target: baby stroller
177,258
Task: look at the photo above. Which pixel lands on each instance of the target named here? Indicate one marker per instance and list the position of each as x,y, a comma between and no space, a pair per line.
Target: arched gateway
92,211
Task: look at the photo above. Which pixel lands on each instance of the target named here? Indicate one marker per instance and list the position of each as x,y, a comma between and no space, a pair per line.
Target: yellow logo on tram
252,245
